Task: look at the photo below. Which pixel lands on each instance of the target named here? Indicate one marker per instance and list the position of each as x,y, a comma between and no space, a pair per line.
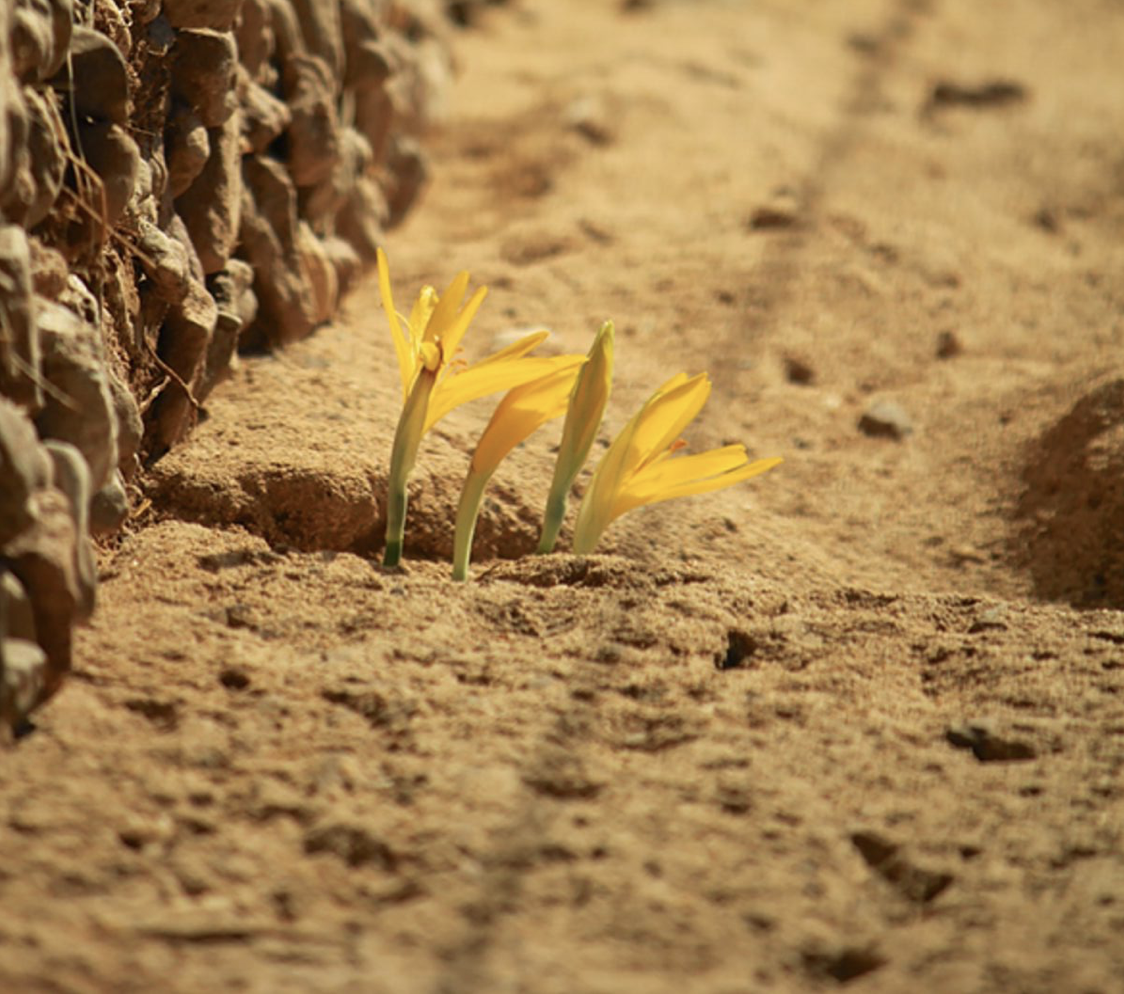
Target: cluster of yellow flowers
636,470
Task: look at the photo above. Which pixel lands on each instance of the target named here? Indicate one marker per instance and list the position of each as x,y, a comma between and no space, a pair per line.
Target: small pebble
948,345
798,371
590,119
885,419
781,211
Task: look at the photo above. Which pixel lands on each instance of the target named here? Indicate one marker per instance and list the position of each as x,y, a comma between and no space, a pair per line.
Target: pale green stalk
407,438
583,419
523,410
467,512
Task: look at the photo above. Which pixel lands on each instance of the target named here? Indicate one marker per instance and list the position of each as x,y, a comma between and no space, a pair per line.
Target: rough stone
176,229
243,303
71,476
100,87
143,203
155,187
269,241
184,341
166,263
130,427
23,668
79,409
17,620
313,134
233,292
41,162
204,75
13,142
109,507
146,11
114,156
24,469
254,34
321,204
40,33
187,147
264,117
43,559
212,205
219,15
49,271
319,273
7,145
345,260
320,27
48,151
19,343
362,219
408,169
287,38
80,299
374,105
364,59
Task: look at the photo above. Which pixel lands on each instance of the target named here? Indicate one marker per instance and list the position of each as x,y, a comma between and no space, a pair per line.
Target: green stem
407,438
552,519
467,512
587,531
583,418
584,543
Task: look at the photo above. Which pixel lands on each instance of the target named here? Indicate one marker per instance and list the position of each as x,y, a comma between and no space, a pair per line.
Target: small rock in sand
948,345
885,419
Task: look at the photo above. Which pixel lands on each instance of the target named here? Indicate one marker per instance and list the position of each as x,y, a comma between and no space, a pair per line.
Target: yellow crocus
433,384
583,418
522,411
638,468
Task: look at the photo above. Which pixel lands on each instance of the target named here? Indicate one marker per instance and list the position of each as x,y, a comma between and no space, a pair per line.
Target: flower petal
666,413
687,475
515,349
583,421
522,411
488,377
446,311
402,346
451,339
420,314
587,405
664,418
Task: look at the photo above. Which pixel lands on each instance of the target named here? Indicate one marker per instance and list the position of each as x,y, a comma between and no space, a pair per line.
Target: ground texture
858,722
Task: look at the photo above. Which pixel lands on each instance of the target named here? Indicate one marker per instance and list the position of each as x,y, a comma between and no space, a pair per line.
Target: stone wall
178,179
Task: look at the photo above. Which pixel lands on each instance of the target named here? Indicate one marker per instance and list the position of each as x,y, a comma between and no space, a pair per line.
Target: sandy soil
858,722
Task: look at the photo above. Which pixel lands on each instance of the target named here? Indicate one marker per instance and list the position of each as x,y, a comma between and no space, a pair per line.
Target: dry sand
281,768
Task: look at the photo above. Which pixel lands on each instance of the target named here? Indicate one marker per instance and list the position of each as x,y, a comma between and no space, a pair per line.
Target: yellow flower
638,468
583,418
432,383
522,411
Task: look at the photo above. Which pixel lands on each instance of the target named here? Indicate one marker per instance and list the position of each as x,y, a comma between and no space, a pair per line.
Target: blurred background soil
856,723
